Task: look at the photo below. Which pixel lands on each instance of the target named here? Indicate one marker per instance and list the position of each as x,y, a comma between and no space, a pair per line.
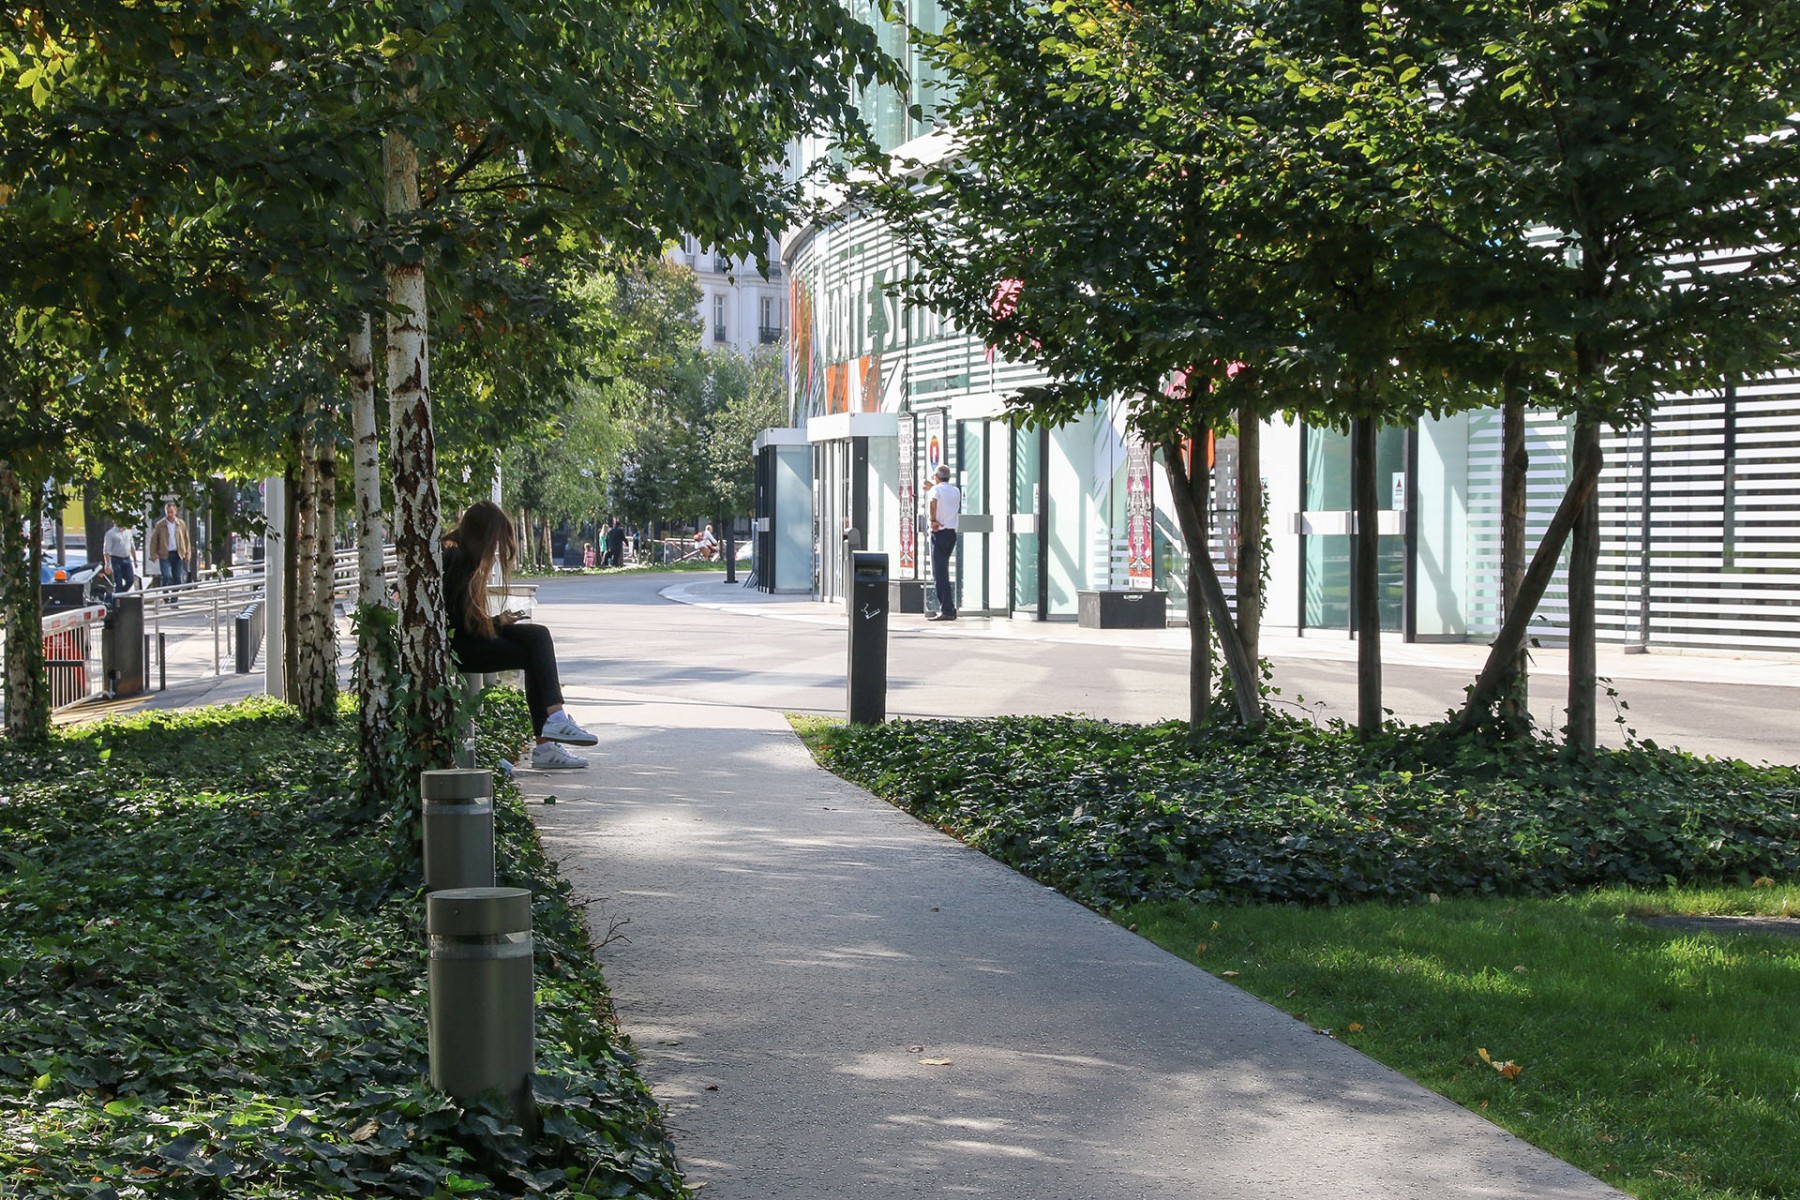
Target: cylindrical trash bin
867,673
122,646
480,983
457,812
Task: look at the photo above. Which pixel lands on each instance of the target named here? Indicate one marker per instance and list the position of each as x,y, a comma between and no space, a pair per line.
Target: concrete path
834,1000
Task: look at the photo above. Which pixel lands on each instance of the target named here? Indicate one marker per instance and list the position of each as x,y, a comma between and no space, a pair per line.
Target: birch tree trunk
424,647
21,556
318,669
374,620
305,500
1366,578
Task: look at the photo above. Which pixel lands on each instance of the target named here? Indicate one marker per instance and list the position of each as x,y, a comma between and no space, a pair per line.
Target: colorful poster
1140,513
909,498
936,453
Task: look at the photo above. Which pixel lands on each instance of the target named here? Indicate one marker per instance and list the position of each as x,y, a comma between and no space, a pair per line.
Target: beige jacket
159,541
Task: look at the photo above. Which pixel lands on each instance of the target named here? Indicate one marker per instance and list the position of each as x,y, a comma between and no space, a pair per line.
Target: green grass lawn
1665,1063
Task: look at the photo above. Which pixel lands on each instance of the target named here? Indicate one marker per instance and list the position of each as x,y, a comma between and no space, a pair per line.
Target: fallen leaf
1131,929
934,1062
1200,948
1354,1027
1508,1070
1518,970
366,1130
1229,974
1762,881
1434,898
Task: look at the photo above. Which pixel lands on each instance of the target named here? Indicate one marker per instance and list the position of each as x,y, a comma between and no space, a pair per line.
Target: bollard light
480,984
457,812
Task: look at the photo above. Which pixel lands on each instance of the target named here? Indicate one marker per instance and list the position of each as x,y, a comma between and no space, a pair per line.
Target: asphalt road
732,646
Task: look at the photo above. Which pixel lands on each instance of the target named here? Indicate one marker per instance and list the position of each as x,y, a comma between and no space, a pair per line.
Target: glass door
974,543
1027,489
1327,523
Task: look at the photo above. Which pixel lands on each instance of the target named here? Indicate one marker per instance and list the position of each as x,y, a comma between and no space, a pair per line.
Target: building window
771,325
720,333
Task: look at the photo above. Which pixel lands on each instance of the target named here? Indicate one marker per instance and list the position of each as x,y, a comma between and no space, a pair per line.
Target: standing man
119,553
170,548
944,505
615,544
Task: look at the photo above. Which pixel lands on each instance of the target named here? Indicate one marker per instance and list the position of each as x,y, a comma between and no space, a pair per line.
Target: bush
1115,814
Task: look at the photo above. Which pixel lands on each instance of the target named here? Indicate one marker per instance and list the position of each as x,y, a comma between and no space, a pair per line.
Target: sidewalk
833,1000
1614,662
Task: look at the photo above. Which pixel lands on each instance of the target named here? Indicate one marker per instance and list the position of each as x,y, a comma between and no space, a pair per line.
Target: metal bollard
866,675
480,984
457,810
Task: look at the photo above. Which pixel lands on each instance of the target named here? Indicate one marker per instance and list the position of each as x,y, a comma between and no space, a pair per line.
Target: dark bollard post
162,661
867,675
458,819
480,987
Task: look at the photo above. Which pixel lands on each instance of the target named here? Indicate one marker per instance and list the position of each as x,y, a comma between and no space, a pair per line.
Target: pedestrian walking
944,509
120,551
170,548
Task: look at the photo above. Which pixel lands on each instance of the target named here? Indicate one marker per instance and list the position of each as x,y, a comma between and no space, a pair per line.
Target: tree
1621,146
1155,191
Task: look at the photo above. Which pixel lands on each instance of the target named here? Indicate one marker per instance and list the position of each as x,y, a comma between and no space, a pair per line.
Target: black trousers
943,545
522,647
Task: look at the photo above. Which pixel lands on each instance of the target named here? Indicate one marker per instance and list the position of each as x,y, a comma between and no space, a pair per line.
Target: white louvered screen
1720,567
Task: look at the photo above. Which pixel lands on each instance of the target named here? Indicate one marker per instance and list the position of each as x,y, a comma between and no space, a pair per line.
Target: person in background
615,544
587,555
120,551
944,505
479,642
170,548
707,544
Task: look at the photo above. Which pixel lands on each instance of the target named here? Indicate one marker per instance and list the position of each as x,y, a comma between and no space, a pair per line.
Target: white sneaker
561,727
548,756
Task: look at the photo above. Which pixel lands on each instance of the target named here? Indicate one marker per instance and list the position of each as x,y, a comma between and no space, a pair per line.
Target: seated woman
481,643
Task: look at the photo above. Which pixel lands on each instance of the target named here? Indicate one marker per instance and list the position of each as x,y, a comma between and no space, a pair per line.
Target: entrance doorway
1327,522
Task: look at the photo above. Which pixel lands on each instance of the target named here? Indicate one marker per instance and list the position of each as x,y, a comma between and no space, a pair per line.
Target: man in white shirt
119,555
944,507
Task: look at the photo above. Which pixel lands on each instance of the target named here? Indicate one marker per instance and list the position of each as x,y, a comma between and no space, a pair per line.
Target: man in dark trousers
944,506
615,544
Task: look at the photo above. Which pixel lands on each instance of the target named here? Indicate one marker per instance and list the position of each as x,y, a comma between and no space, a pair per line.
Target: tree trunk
1503,654
21,558
292,583
1252,517
374,620
1193,530
1515,698
418,522
306,684
1200,665
1366,580
1584,562
319,670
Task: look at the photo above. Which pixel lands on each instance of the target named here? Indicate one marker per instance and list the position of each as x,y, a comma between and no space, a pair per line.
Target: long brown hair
485,535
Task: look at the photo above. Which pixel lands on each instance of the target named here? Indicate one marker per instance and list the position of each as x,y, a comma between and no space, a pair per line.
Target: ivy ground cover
215,984
1468,915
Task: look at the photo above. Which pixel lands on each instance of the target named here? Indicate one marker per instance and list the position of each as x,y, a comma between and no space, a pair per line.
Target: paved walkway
834,1000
